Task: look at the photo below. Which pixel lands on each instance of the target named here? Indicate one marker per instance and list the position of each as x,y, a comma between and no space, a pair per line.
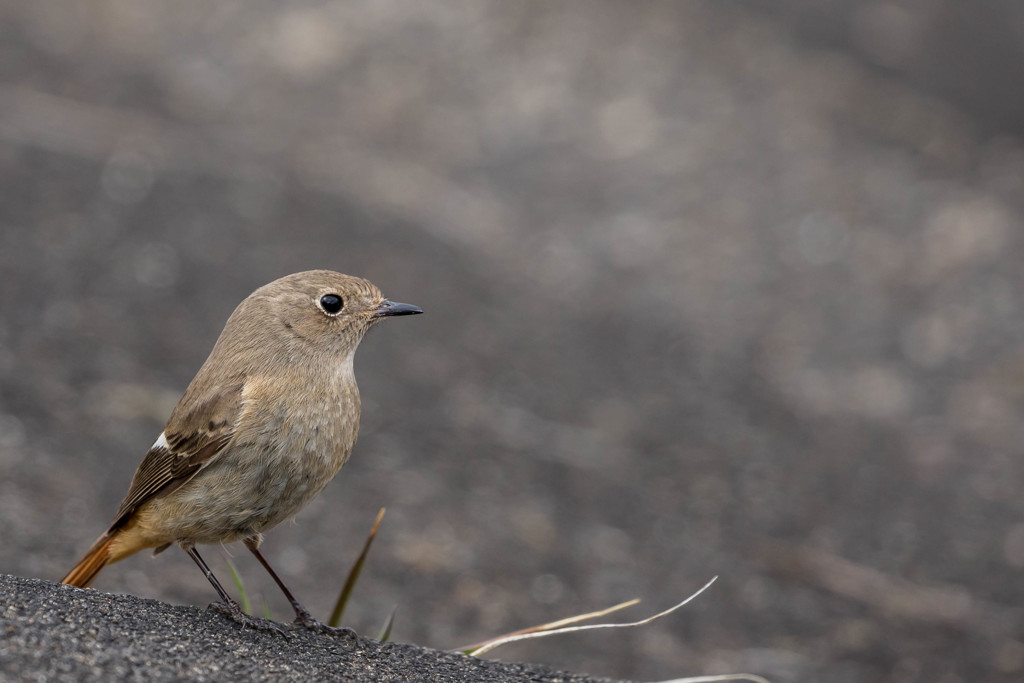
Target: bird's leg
227,605
302,615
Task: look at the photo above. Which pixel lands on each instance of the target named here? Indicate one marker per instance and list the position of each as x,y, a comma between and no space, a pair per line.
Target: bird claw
235,613
306,620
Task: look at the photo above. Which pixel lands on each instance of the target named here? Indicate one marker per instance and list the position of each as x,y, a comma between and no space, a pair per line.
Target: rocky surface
50,632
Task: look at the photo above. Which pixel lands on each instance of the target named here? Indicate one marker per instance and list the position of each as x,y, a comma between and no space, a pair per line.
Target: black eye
331,303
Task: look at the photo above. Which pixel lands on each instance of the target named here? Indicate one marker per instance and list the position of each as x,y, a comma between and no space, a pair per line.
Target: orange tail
89,566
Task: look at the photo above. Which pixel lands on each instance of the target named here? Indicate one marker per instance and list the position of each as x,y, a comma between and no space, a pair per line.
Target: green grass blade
266,611
353,575
237,578
385,632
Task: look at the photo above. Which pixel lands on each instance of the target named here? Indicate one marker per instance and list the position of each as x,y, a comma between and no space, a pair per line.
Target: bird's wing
189,442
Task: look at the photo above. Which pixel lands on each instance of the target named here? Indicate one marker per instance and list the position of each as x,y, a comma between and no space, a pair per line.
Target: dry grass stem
504,640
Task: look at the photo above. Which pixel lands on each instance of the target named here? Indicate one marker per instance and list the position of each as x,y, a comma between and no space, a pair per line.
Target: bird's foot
234,611
305,619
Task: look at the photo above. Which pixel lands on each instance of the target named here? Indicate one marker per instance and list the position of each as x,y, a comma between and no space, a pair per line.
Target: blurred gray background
711,288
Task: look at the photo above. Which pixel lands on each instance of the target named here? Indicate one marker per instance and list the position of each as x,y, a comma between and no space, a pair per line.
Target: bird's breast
309,440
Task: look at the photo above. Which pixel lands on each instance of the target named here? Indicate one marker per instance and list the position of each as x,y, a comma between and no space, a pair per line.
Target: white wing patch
161,443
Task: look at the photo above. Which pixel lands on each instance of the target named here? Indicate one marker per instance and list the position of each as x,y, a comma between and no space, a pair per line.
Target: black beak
392,308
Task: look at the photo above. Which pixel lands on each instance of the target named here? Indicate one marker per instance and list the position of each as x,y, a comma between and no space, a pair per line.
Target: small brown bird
269,419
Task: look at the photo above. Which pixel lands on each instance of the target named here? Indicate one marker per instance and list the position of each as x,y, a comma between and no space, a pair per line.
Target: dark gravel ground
56,633
701,299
